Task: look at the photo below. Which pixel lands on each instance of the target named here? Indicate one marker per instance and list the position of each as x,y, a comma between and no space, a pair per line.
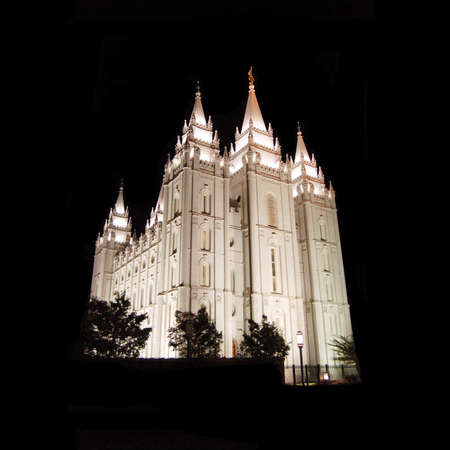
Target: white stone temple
241,231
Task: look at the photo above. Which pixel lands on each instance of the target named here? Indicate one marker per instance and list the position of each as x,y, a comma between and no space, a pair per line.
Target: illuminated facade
242,232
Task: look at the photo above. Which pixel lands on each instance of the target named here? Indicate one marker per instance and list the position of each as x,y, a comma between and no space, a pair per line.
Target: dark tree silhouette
112,330
197,332
263,341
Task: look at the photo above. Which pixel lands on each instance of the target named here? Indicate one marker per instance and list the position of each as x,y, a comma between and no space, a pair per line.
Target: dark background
127,81
123,76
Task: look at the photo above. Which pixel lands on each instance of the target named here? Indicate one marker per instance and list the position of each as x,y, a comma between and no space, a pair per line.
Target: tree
263,341
111,330
198,331
344,347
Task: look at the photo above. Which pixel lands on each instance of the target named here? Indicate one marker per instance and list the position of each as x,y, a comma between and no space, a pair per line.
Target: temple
239,230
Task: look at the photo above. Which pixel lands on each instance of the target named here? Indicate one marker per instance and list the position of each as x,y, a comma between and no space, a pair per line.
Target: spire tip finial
251,79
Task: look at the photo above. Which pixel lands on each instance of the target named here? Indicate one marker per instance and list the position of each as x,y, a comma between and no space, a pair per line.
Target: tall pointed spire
252,110
197,113
120,205
300,151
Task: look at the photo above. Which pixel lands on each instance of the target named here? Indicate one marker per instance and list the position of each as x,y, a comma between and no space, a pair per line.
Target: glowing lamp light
300,339
326,377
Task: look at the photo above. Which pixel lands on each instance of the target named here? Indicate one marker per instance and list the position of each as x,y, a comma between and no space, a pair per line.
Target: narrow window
233,283
274,269
323,230
204,274
329,290
172,275
174,242
272,211
205,202
325,265
142,297
150,293
203,239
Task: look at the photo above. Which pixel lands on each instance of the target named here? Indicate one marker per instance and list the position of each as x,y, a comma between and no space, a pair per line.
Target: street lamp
300,343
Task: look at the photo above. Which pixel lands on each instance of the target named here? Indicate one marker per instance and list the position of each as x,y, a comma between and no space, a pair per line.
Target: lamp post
300,343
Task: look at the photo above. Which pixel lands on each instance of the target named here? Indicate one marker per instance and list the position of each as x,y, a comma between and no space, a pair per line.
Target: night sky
128,82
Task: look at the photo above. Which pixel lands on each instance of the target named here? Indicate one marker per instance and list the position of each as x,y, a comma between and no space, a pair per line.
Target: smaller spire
320,172
198,115
120,206
301,154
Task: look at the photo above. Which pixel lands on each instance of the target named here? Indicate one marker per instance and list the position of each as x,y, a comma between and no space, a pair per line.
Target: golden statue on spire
250,76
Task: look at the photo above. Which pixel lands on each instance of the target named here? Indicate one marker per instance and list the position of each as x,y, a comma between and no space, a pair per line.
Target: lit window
233,282
176,201
274,269
323,229
329,289
325,264
174,242
204,274
142,297
272,211
206,202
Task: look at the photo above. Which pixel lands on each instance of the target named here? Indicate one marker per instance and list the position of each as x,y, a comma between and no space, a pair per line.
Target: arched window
233,282
323,229
150,293
329,289
142,298
273,265
206,202
204,237
176,201
325,262
204,273
174,241
172,274
272,213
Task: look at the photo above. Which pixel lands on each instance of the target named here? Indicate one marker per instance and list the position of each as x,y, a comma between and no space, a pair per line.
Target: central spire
120,206
197,111
252,110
